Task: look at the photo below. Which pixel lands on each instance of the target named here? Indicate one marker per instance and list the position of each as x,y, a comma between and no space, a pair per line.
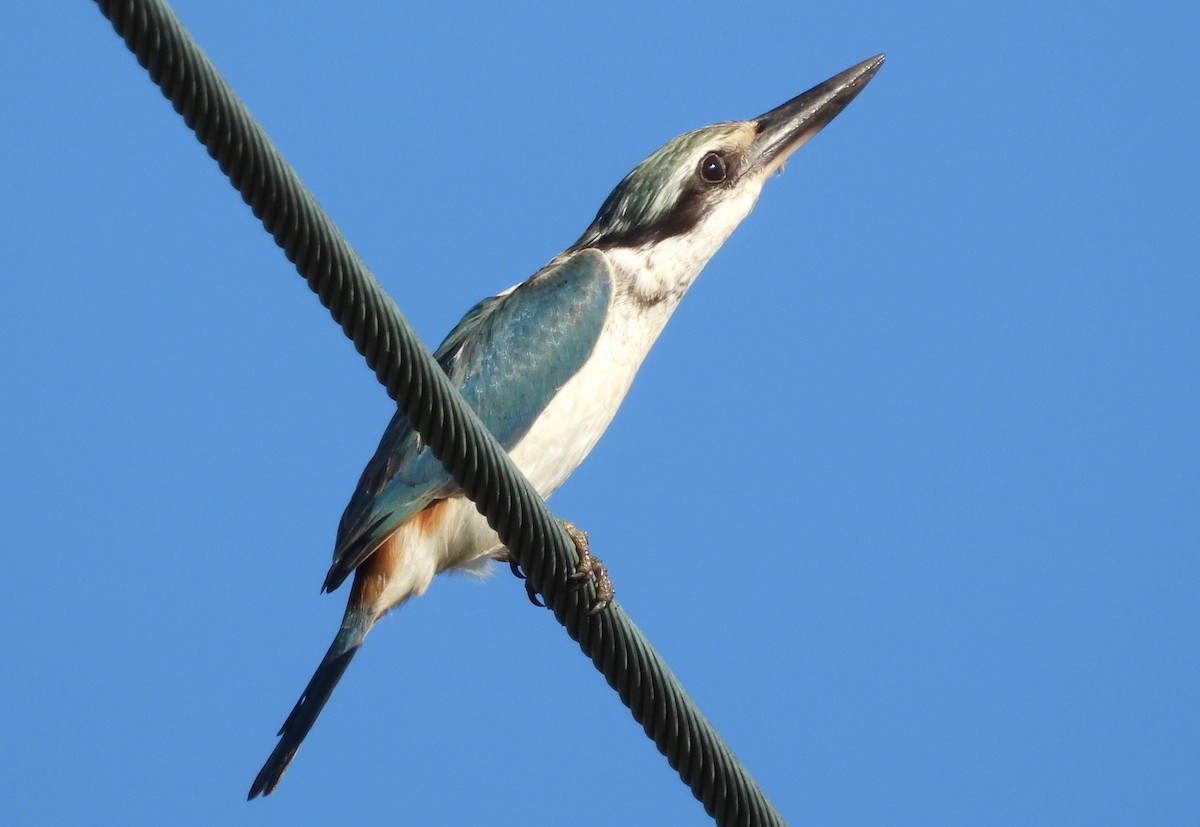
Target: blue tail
312,700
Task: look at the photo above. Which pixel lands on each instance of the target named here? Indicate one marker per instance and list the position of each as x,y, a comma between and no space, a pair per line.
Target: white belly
582,409
569,428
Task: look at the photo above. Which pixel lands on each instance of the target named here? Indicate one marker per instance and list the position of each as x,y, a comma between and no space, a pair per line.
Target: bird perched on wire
546,364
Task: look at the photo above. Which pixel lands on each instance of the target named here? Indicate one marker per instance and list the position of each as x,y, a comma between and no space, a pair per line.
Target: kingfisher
545,365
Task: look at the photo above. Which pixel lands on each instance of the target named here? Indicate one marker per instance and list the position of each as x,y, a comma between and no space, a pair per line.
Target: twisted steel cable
404,366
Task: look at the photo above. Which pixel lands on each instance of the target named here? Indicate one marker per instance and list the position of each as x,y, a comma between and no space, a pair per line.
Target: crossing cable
413,379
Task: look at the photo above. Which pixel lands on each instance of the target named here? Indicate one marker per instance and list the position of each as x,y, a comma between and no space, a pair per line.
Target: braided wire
402,364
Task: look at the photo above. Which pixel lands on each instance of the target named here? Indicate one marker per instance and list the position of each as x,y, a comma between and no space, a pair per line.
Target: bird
545,365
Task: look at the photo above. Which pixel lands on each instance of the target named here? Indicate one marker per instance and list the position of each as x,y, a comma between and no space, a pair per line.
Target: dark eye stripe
625,219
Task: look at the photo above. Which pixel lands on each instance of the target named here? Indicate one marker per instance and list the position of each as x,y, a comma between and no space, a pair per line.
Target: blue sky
908,493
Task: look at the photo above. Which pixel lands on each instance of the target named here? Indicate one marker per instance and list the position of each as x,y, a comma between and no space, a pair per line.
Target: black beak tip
870,66
856,77
785,128
834,93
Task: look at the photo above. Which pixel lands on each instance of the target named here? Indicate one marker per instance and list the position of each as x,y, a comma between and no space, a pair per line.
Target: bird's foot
590,568
505,556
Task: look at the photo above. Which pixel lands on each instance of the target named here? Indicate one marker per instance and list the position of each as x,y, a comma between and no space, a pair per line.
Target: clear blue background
908,494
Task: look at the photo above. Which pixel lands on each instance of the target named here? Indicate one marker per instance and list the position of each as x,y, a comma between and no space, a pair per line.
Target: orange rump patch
372,576
428,518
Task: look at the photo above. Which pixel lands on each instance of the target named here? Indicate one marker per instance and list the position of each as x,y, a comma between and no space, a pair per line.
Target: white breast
583,408
581,411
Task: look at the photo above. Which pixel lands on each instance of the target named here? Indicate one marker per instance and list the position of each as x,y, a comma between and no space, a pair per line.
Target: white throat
662,271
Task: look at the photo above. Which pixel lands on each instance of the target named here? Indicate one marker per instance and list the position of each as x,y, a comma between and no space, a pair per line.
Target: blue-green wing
508,357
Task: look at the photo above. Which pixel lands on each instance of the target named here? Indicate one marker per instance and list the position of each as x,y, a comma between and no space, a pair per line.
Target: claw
578,578
532,594
503,556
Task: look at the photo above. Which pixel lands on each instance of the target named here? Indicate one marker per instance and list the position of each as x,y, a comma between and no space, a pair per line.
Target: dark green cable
404,366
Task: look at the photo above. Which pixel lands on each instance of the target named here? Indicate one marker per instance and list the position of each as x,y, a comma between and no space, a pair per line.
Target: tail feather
311,702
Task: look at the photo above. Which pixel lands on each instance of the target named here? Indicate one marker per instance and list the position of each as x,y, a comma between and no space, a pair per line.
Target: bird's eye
712,168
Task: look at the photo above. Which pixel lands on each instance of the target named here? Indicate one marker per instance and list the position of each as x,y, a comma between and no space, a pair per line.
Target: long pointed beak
786,128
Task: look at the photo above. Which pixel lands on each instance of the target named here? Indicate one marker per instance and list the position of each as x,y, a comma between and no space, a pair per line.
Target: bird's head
691,194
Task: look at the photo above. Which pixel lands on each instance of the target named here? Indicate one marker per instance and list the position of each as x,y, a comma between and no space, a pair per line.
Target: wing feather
508,357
